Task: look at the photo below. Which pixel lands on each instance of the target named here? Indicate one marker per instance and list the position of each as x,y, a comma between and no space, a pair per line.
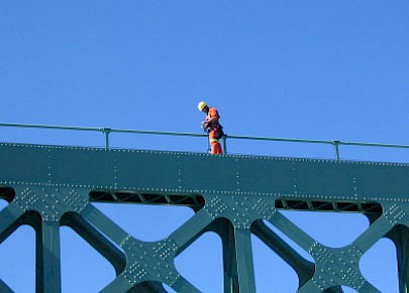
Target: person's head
203,107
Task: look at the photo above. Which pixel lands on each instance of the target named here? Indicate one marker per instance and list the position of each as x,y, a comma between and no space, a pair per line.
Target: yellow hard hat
201,105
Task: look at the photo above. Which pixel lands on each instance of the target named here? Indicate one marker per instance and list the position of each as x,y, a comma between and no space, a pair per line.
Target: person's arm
211,120
214,117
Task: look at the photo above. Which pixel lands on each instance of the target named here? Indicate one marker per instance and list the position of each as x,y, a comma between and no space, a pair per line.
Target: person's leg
216,148
213,141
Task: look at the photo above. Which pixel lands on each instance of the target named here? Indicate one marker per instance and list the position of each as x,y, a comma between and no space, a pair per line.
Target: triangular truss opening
286,249
83,269
96,239
272,273
290,242
201,263
146,222
332,229
379,266
17,260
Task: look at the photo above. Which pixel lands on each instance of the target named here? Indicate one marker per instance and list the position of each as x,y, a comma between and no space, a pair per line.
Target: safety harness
217,127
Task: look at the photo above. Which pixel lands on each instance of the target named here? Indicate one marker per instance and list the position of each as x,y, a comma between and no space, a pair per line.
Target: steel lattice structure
50,186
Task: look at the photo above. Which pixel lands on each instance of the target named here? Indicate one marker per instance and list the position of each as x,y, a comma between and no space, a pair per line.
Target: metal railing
106,131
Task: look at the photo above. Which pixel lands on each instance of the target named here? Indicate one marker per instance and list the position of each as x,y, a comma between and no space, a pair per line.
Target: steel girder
234,196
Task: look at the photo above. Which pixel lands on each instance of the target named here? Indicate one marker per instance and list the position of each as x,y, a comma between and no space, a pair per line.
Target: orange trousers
215,147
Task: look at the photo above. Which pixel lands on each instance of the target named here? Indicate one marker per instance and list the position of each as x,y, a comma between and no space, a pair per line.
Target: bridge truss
51,186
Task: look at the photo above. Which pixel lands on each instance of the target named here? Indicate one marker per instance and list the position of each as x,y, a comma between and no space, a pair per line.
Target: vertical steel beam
400,236
231,283
244,260
48,257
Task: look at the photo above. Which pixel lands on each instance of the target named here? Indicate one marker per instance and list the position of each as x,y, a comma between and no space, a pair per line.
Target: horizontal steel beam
155,172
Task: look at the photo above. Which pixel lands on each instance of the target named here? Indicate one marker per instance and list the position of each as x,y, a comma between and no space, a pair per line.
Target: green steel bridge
47,186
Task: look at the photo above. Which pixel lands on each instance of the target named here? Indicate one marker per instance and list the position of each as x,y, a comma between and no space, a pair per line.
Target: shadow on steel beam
194,201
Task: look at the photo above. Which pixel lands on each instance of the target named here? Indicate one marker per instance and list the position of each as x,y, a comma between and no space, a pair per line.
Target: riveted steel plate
207,173
324,177
265,175
81,166
32,159
202,173
377,180
147,170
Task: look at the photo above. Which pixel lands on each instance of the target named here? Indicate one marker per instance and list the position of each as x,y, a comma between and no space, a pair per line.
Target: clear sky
331,70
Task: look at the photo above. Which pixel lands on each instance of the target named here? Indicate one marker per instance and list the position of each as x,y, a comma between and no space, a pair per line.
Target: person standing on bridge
212,126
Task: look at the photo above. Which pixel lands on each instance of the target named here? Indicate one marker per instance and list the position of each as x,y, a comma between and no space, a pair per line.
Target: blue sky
332,70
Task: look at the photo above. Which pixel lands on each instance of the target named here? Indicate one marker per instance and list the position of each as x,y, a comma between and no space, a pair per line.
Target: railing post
224,138
106,131
336,145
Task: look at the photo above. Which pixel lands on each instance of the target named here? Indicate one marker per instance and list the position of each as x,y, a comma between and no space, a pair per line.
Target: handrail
51,127
106,131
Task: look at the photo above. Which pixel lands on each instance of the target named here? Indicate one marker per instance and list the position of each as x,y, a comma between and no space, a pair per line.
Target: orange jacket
213,114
